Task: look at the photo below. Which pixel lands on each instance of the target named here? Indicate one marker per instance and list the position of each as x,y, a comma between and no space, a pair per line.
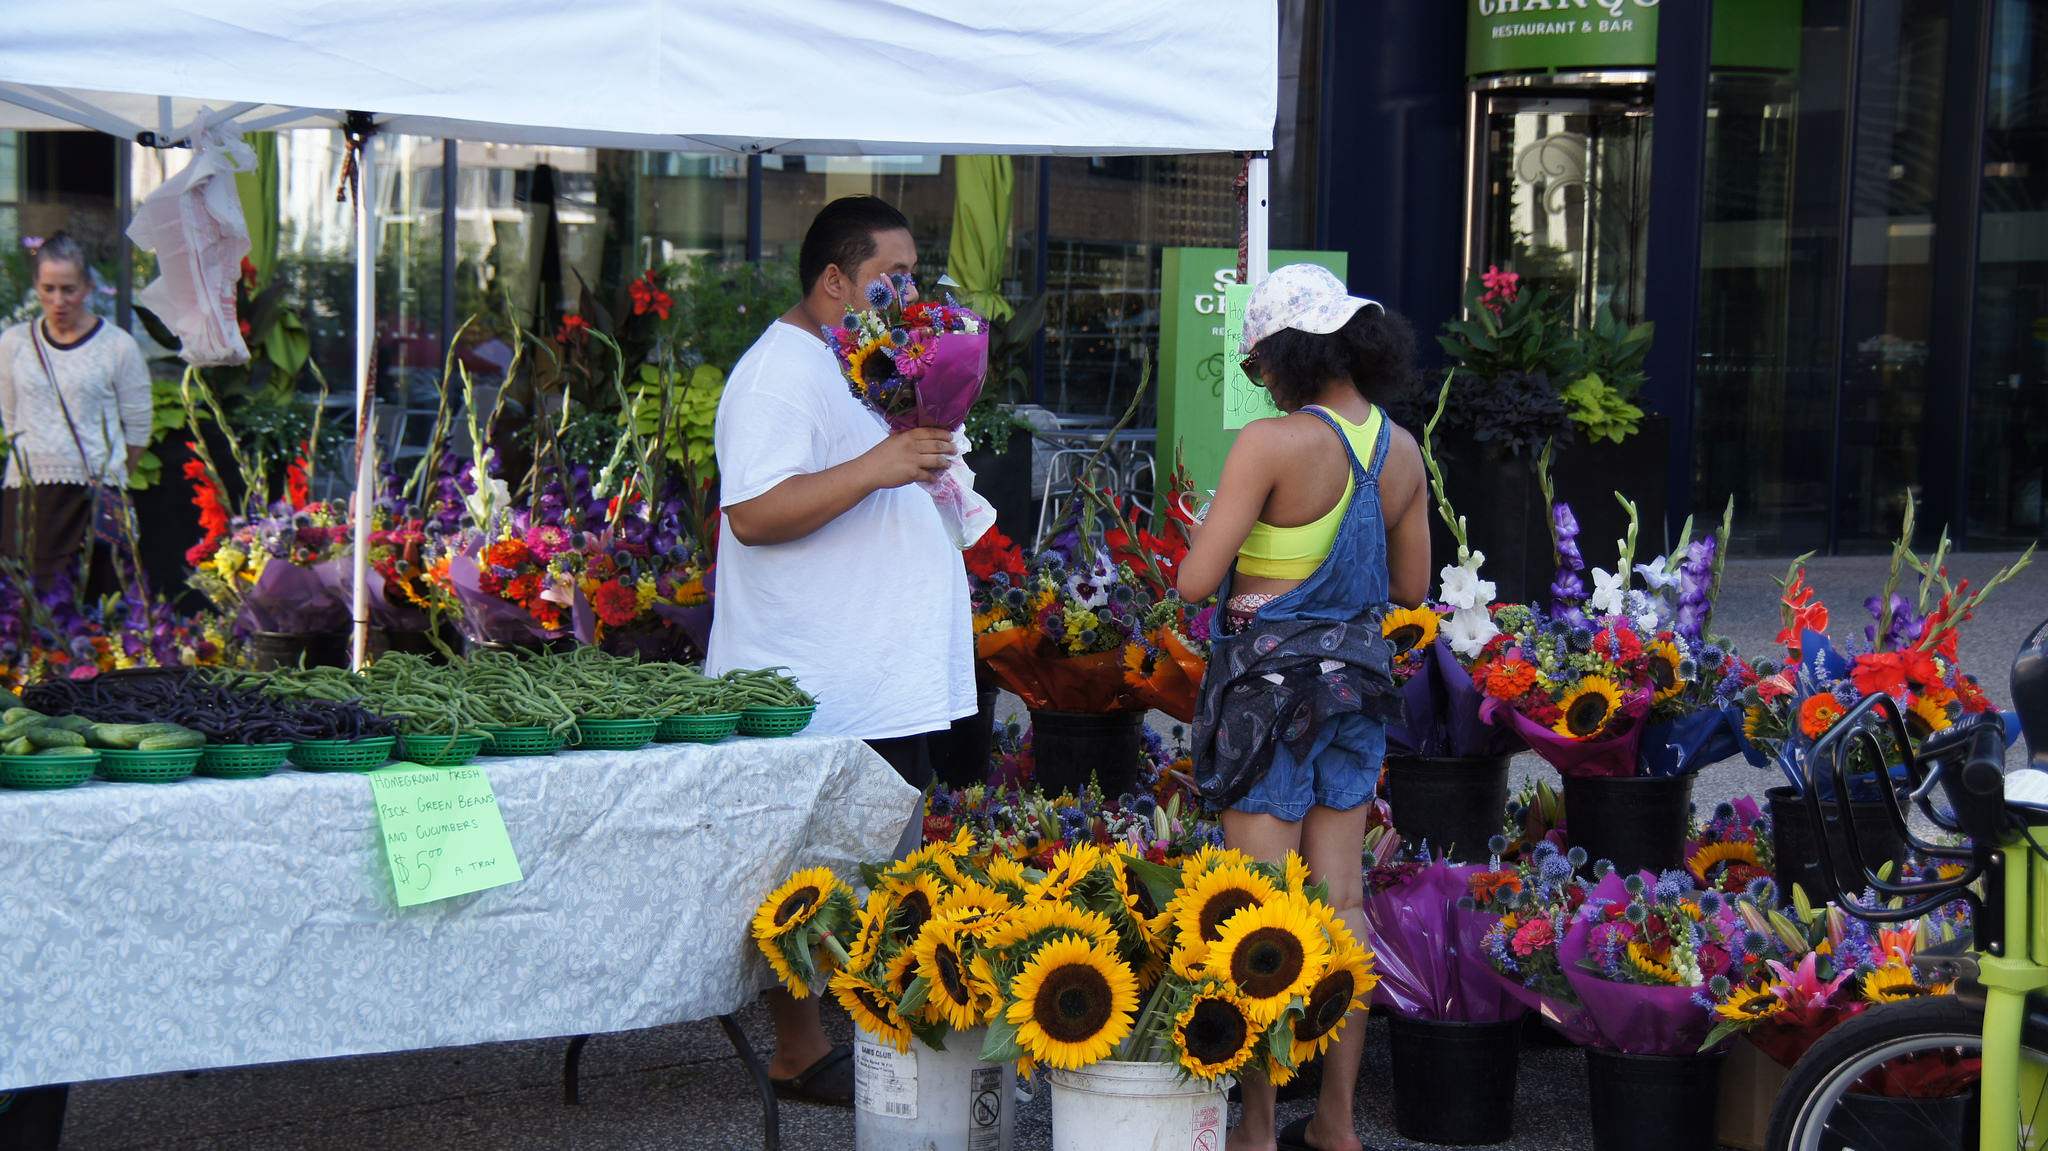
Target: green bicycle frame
2016,902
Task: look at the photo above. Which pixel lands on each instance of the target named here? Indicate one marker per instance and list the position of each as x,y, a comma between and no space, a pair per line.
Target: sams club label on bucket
985,1109
884,1079
1208,1133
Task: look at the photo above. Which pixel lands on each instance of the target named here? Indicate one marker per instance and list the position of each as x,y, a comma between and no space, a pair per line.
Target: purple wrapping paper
339,574
1425,973
1569,1018
487,618
952,382
695,622
1615,755
1690,742
1625,1017
290,598
1445,712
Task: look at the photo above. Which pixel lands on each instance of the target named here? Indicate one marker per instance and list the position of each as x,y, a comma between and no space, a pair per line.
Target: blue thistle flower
1719,985
1712,657
1764,890
1673,883
1577,856
1581,638
852,322
1555,868
1724,811
880,294
1634,885
1498,845
1710,902
1636,914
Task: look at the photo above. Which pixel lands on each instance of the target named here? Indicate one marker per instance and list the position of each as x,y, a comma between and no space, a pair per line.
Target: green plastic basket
46,772
123,766
697,728
440,750
773,721
520,741
612,734
342,754
242,760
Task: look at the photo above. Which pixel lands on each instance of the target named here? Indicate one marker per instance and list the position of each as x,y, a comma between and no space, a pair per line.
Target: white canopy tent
831,77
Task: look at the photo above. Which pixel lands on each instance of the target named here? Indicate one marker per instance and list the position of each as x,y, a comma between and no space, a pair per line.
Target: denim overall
1342,762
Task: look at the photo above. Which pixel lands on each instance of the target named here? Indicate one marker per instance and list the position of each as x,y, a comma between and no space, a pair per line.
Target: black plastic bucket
1637,822
1664,1102
1071,747
1456,805
271,650
1796,854
1879,1123
1454,1082
960,754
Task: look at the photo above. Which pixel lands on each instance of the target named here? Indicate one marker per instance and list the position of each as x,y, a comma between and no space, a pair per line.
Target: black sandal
829,1081
1294,1136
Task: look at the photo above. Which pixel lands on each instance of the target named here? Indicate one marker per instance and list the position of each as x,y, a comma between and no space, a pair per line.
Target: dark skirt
60,519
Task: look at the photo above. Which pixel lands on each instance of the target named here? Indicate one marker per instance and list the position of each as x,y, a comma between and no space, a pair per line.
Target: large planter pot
1068,748
1507,519
960,753
926,1100
1882,1123
1454,1082
1004,479
1796,855
1111,1104
1636,822
1455,804
271,650
1644,1101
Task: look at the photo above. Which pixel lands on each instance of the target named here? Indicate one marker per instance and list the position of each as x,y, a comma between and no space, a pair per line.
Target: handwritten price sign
1243,400
443,834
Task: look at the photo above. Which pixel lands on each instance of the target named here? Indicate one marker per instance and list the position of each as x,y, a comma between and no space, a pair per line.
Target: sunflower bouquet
1577,692
1907,651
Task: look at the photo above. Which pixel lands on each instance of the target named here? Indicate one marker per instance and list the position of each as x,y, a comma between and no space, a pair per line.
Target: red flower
1510,678
244,325
212,516
649,298
994,552
1533,936
572,330
616,604
1623,647
1801,613
1896,673
248,272
295,482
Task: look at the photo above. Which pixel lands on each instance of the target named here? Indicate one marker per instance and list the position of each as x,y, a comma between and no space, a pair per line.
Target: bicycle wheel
1845,1093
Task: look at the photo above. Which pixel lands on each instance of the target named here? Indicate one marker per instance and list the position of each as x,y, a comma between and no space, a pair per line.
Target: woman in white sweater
75,405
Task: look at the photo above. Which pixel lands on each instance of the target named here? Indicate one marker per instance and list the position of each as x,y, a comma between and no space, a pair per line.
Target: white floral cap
1305,297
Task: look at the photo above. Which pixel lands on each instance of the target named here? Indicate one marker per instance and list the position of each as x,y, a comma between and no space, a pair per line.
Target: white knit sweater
106,386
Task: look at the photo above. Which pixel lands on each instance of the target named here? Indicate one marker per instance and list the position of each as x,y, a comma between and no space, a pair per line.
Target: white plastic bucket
926,1100
1135,1107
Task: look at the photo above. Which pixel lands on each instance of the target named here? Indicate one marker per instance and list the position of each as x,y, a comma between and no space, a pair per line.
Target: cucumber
77,723
18,729
67,751
18,746
172,741
17,714
54,737
125,735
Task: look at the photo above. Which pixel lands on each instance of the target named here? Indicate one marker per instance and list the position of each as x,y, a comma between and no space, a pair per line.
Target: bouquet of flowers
1908,652
513,581
1513,919
281,571
1164,774
1408,910
919,364
1031,827
1731,851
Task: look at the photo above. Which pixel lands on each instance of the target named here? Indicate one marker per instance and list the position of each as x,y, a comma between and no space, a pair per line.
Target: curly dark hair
1375,348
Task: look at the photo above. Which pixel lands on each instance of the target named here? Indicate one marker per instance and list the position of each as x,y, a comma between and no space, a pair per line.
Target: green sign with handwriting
443,834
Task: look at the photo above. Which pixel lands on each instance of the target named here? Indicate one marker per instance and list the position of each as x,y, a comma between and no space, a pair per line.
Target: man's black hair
844,234
1374,349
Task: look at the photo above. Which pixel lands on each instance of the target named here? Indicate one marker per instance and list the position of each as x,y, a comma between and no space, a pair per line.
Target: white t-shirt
870,611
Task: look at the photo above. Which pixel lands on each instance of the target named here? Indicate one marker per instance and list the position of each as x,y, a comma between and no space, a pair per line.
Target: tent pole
366,396
1257,226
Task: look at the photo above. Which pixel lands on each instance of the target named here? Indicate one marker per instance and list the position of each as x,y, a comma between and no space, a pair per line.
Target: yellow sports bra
1272,552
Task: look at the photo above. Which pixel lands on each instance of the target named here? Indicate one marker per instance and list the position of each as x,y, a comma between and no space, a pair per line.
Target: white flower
1606,597
1463,588
1655,575
1468,629
490,494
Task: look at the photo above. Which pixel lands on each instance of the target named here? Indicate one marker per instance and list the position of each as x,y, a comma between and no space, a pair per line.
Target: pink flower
547,541
1802,986
1501,286
1533,936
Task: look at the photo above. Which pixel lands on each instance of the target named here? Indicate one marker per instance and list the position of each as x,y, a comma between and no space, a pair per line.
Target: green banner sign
1195,370
1583,35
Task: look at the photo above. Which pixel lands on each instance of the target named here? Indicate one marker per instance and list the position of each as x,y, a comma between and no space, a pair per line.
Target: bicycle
1833,1098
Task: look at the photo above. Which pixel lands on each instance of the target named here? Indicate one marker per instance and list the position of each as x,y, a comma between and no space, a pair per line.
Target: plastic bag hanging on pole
194,224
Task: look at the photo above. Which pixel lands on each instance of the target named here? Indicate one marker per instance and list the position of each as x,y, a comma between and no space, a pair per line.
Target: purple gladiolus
1567,526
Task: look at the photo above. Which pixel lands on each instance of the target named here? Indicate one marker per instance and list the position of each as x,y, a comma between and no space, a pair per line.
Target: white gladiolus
1468,629
1606,598
1462,587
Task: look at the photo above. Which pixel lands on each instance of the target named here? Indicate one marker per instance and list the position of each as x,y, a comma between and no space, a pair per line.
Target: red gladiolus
212,516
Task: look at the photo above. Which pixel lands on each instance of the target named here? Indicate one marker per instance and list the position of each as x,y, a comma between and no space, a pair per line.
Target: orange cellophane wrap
1025,662
1175,680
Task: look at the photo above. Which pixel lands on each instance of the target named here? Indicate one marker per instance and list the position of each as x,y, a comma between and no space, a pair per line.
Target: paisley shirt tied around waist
1313,657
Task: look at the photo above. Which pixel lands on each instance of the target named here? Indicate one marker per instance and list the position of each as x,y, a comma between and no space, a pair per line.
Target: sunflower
1703,862
1894,982
1586,711
1664,659
867,933
871,1008
1925,717
952,997
913,899
1753,720
1332,999
859,368
1069,867
794,903
1073,1003
1270,954
1136,895
1643,963
1295,872
1408,628
1749,1004
1203,906
1214,1034
975,906
1818,714
1007,876
1034,918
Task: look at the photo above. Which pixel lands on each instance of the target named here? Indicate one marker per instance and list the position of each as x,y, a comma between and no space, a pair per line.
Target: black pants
60,518
911,758
34,1118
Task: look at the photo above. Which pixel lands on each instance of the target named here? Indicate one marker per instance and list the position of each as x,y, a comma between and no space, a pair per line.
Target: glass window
2008,415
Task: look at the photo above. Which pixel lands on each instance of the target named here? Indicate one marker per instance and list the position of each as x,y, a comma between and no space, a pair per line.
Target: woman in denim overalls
1306,625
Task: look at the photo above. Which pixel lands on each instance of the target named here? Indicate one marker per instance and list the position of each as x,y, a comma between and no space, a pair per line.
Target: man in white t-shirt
830,561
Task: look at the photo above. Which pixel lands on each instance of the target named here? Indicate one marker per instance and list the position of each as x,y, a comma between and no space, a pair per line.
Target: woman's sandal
1294,1136
828,1081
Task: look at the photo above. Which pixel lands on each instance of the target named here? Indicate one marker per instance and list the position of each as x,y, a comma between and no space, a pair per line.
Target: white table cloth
216,923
